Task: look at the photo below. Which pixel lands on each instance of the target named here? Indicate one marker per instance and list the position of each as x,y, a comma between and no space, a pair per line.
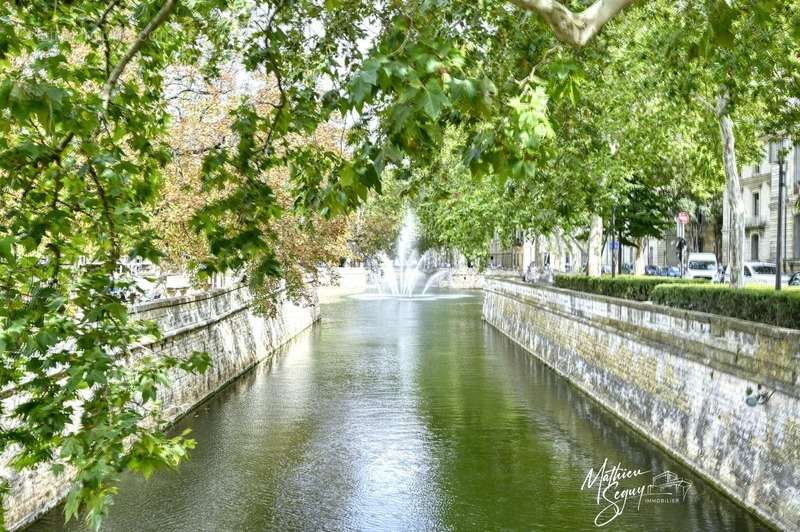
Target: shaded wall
221,323
678,377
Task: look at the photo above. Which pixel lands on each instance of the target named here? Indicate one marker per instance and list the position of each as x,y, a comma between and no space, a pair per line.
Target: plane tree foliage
303,244
617,138
84,145
81,156
375,226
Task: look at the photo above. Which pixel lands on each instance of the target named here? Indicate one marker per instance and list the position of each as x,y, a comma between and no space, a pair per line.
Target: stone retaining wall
221,323
472,278
463,280
678,377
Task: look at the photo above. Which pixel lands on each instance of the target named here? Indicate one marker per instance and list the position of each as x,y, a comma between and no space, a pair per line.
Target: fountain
402,275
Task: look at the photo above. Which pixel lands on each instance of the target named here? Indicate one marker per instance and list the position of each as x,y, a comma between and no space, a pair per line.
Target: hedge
761,304
634,287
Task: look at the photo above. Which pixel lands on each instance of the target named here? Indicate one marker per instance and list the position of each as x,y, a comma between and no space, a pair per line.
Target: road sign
683,217
615,245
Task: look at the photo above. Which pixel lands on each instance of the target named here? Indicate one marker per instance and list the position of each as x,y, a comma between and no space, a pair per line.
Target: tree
727,56
84,145
455,209
300,244
727,59
83,151
375,226
616,130
644,211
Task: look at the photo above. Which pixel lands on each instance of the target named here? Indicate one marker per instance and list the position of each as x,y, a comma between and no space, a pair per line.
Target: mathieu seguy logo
617,488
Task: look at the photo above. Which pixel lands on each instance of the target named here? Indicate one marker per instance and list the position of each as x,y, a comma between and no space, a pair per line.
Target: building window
797,164
754,247
797,236
756,198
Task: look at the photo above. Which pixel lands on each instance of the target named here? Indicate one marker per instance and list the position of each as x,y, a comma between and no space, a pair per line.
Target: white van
701,266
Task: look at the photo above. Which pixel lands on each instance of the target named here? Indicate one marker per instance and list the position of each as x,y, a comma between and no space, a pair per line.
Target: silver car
759,273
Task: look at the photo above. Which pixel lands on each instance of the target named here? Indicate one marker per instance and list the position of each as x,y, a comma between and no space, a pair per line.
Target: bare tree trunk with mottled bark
595,248
734,190
556,251
641,256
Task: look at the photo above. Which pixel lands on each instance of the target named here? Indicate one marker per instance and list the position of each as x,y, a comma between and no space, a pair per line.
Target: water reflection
403,415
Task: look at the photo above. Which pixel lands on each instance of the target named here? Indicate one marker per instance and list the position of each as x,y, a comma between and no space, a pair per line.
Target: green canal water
405,415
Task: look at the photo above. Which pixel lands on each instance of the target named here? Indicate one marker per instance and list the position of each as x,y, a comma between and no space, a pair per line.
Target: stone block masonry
472,278
463,279
678,377
221,323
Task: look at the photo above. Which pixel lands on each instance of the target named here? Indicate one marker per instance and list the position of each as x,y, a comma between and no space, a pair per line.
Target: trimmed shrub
761,304
634,287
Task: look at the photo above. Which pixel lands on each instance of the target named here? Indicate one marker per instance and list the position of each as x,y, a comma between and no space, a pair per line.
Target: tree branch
109,8
157,21
112,80
575,29
705,103
111,262
200,151
577,244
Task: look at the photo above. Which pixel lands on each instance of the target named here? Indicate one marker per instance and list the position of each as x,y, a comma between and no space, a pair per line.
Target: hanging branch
157,21
113,78
575,29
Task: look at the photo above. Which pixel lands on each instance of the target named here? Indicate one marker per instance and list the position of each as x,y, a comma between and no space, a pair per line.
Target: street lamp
613,240
777,155
613,147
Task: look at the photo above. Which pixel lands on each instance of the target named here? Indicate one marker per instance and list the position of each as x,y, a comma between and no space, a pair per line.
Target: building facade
760,196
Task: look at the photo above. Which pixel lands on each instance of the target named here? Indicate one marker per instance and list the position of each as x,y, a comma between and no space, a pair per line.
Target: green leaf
433,99
6,249
72,504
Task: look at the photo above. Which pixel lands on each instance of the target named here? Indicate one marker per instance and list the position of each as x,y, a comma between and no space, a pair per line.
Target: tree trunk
718,236
595,247
735,202
641,256
556,252
578,253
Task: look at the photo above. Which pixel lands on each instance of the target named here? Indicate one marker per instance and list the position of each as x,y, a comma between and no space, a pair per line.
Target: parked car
663,271
673,271
701,266
761,272
651,270
758,273
794,280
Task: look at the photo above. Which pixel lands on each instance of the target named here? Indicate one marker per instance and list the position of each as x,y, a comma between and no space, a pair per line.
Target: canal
408,415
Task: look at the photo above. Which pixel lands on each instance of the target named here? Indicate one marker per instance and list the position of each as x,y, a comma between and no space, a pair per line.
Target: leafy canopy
84,119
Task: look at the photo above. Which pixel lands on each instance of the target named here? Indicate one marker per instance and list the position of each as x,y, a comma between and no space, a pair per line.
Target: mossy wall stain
221,323
678,377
